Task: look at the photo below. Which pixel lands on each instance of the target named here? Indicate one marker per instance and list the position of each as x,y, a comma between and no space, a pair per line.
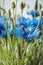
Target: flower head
23,22
4,34
13,5
2,30
19,32
32,36
22,5
32,12
40,6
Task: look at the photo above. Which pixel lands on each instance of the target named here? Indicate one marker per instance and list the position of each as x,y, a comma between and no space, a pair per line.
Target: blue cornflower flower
4,19
20,20
2,30
4,34
34,35
32,12
23,22
1,20
19,32
29,29
34,22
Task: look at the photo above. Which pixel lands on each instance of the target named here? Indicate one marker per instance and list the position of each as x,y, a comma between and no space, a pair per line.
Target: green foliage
19,52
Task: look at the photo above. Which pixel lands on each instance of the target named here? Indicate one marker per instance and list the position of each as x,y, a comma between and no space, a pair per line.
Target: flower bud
9,12
42,13
36,6
22,5
13,5
40,6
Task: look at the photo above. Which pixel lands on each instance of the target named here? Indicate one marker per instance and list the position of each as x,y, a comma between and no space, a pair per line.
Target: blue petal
4,19
19,32
27,23
34,22
32,12
21,20
11,32
4,34
28,37
24,22
35,34
31,29
2,26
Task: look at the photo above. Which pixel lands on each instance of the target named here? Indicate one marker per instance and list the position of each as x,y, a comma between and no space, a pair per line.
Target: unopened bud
22,5
13,5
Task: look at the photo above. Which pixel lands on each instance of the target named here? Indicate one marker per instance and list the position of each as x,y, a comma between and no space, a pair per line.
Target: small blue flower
2,30
19,32
23,22
34,22
32,12
29,30
34,35
1,20
4,34
4,19
27,23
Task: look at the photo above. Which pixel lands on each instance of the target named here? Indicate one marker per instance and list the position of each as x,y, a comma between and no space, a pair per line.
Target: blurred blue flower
4,34
29,30
34,35
32,12
2,30
34,22
19,32
4,19
23,22
1,20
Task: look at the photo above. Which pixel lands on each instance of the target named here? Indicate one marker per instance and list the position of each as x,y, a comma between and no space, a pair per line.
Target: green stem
3,10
